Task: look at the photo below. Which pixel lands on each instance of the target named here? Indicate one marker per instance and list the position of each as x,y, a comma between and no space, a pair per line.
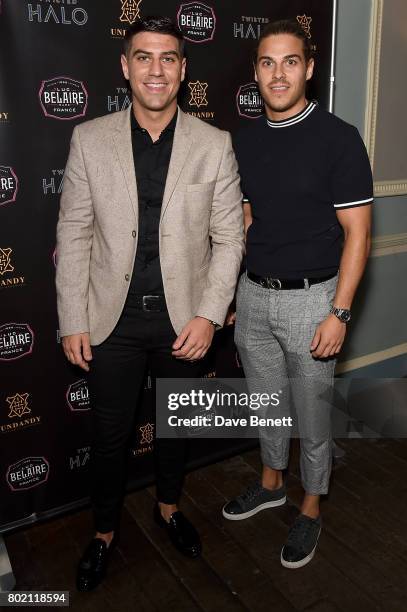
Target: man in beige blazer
149,241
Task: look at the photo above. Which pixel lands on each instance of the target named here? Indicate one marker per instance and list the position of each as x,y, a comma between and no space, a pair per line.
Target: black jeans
140,340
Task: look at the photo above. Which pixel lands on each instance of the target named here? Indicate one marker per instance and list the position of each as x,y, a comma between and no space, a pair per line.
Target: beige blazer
200,235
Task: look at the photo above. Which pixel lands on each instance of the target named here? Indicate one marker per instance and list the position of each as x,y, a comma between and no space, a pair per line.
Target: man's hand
194,340
230,318
77,349
328,338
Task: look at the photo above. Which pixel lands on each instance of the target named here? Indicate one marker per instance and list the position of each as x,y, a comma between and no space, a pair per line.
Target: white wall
380,321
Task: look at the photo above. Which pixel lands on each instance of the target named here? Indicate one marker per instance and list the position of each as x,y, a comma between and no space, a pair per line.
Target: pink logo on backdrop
16,340
249,101
197,21
8,185
27,473
63,98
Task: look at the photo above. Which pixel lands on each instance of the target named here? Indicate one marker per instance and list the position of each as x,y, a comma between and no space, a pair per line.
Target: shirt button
133,233
127,277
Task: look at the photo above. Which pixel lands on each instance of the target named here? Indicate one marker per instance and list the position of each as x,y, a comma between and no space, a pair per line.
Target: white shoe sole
297,564
245,515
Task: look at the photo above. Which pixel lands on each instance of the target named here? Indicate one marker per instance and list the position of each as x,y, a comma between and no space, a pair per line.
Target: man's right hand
230,318
77,349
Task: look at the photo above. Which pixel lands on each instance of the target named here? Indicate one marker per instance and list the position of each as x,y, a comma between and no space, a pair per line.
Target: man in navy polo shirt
308,186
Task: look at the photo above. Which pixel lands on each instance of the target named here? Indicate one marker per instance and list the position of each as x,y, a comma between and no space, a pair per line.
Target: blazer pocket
201,187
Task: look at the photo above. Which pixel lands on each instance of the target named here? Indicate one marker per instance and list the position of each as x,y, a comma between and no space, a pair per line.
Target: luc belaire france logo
27,473
77,396
196,21
16,340
249,101
8,185
63,98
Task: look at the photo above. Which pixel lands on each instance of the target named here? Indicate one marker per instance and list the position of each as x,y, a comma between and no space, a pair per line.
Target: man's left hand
194,340
328,338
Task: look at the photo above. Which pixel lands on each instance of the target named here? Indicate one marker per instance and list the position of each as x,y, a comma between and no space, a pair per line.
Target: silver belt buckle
274,283
149,305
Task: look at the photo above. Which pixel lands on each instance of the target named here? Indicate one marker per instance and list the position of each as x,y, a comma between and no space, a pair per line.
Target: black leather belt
149,303
281,283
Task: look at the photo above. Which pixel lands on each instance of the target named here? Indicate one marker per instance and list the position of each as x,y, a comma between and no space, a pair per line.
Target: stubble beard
283,106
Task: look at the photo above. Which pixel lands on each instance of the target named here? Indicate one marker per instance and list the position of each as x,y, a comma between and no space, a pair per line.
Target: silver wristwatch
341,313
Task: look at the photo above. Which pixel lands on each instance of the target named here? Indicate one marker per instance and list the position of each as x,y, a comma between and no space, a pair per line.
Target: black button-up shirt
151,162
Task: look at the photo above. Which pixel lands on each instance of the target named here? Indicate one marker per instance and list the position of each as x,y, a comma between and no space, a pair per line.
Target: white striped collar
295,119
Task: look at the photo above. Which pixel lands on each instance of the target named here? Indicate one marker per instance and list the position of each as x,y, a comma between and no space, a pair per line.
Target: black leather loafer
93,564
181,532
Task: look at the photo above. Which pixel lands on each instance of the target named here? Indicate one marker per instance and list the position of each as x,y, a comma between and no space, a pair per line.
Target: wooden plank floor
361,563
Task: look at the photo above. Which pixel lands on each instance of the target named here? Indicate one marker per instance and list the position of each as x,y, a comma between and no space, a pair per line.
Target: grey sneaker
253,500
301,542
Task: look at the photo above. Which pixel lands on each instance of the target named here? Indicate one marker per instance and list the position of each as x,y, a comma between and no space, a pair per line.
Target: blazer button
127,277
133,233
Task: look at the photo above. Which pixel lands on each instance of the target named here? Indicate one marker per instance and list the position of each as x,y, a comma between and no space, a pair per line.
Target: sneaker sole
245,515
297,564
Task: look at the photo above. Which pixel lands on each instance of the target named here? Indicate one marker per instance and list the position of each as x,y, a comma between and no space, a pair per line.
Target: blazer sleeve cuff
70,327
214,316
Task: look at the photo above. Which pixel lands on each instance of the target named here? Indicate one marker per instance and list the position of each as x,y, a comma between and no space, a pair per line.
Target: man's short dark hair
286,26
161,25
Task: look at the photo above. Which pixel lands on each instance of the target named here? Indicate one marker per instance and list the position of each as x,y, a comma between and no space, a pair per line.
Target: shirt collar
169,128
296,118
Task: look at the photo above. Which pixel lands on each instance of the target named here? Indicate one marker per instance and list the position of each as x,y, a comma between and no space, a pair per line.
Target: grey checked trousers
273,334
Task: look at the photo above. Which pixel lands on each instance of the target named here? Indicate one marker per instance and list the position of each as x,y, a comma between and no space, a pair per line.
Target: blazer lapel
180,150
123,144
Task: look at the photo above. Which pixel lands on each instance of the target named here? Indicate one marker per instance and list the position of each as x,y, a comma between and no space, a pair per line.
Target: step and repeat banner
59,66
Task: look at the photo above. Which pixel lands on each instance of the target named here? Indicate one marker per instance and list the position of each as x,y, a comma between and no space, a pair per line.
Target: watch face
341,313
344,316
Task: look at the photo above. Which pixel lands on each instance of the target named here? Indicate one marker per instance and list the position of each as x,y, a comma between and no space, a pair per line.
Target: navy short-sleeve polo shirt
297,174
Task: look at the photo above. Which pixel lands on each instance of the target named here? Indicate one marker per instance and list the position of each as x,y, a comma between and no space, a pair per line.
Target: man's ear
310,69
183,68
125,66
